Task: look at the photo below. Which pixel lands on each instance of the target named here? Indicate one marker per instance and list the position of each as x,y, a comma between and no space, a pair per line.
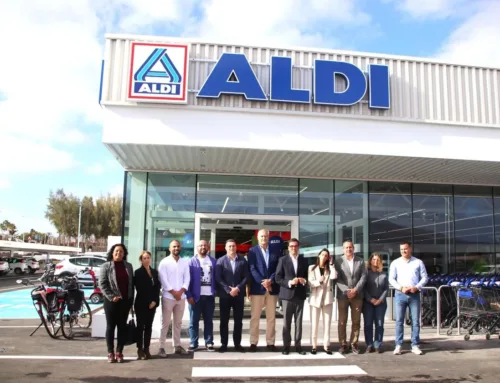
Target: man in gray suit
351,278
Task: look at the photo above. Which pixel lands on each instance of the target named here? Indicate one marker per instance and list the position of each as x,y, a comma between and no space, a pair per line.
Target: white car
17,265
33,265
4,267
74,265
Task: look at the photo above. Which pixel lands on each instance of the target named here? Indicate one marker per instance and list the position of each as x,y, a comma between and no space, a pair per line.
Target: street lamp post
79,224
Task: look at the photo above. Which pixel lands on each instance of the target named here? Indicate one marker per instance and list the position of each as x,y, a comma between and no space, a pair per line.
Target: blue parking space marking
17,304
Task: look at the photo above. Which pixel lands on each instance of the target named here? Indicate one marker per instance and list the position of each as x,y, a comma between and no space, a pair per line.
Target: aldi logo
158,72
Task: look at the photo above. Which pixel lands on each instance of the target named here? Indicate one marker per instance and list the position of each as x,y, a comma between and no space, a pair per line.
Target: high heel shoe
328,351
313,351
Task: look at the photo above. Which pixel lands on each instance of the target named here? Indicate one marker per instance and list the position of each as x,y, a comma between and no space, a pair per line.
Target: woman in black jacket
147,300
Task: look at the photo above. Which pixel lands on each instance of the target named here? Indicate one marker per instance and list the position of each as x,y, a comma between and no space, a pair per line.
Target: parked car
74,265
17,265
4,267
33,265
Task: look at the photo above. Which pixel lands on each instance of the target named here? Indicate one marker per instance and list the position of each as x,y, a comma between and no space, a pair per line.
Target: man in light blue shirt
407,275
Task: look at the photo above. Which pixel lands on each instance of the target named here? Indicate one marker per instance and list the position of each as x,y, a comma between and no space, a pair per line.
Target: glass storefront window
433,226
247,195
452,228
135,208
316,217
390,218
474,229
171,200
351,216
496,203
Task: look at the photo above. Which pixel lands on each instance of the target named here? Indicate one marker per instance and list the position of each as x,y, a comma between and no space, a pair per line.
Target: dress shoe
328,351
354,349
253,348
299,350
140,354
222,348
286,351
271,347
239,348
313,351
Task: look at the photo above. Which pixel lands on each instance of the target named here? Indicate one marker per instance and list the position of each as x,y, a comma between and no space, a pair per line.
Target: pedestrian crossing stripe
264,356
275,372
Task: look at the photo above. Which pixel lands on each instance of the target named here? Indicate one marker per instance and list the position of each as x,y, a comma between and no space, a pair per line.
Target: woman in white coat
321,299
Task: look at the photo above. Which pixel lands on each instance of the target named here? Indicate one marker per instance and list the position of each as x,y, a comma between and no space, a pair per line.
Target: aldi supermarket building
218,141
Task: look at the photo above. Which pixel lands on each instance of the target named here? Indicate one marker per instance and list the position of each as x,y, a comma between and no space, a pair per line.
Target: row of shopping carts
471,301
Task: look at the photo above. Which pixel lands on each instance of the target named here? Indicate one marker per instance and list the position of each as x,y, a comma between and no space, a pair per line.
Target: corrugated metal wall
420,91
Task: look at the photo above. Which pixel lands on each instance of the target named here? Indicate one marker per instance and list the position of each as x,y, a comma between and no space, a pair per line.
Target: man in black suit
231,273
291,275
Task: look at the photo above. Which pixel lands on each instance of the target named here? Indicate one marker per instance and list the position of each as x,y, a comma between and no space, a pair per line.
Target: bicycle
76,311
47,302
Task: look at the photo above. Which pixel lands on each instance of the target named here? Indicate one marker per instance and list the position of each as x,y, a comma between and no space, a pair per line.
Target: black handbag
131,331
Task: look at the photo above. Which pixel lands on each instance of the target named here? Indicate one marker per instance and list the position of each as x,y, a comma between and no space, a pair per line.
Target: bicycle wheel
84,317
51,321
67,320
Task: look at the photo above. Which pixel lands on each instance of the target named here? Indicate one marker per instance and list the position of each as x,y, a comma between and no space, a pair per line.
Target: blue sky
50,121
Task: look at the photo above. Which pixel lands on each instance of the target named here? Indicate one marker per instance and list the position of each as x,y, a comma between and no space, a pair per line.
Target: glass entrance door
217,228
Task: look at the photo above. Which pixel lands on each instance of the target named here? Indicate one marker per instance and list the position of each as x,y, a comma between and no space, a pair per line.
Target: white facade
441,127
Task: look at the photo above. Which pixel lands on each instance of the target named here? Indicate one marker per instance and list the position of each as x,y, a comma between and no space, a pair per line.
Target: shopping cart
479,309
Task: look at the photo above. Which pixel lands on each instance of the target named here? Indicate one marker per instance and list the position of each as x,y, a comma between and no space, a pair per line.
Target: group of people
268,276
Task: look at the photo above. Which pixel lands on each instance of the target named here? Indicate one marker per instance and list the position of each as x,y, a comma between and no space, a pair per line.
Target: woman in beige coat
321,299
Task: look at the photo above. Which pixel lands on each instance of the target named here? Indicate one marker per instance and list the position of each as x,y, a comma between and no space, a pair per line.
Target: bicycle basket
70,284
74,300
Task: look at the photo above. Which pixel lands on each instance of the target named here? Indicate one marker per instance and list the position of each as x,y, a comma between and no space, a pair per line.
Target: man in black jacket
231,273
291,275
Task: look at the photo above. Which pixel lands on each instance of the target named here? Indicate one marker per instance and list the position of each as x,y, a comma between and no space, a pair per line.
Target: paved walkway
447,359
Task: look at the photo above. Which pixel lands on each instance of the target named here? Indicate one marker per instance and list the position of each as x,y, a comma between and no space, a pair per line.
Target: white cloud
474,42
72,136
5,183
53,79
276,22
116,190
95,169
436,9
23,156
25,223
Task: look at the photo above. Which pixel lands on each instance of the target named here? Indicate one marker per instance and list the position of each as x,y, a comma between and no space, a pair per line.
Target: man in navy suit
231,273
263,289
291,275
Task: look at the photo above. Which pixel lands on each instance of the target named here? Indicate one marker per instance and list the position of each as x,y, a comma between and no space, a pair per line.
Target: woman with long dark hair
116,281
321,299
147,300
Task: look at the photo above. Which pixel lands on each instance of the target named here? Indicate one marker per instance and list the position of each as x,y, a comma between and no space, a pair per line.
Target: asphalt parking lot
39,358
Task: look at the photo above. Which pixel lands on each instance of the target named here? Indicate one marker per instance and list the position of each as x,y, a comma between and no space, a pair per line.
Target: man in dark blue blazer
231,274
264,290
291,274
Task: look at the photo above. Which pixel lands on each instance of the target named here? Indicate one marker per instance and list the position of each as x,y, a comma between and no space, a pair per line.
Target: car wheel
18,270
31,270
95,298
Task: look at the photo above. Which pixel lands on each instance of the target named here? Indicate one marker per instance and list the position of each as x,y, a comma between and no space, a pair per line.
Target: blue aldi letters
232,74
